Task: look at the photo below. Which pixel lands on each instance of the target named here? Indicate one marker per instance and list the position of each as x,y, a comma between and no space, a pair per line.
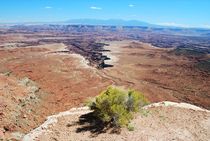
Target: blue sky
167,12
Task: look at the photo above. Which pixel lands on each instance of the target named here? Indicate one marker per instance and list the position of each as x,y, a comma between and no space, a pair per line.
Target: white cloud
134,15
95,8
131,5
48,7
184,25
174,24
205,26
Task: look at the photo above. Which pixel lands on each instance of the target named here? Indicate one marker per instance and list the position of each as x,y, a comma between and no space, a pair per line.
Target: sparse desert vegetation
116,107
104,70
48,69
163,121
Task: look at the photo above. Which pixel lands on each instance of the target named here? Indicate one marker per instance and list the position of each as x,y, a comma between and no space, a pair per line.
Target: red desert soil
36,82
158,74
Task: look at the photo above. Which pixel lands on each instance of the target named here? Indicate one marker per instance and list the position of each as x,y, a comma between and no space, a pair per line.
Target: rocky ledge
159,121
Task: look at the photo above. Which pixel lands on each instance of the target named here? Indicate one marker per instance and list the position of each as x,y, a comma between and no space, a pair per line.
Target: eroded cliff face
57,81
59,65
159,121
36,82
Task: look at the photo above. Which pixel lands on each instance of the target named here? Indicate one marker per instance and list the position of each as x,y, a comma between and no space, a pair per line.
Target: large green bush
116,106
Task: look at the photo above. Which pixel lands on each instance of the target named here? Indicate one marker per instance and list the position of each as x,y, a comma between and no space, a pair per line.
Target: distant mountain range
103,22
110,22
121,22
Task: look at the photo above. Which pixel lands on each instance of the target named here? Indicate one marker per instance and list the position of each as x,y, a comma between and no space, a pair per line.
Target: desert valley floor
36,82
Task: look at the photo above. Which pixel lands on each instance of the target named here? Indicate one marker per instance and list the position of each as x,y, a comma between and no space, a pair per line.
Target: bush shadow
91,123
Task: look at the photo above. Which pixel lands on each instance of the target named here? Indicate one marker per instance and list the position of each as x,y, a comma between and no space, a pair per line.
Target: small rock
24,116
1,134
17,135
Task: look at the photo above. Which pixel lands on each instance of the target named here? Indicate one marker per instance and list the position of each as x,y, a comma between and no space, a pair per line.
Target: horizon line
163,24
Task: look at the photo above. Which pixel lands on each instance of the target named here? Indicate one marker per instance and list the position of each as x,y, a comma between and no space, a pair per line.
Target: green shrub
7,73
117,106
130,127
